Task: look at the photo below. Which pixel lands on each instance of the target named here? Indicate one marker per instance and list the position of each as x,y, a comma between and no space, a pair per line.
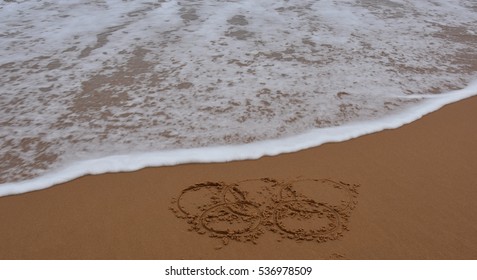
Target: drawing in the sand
300,210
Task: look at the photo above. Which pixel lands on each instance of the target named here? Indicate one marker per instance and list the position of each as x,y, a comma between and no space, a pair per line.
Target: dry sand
407,193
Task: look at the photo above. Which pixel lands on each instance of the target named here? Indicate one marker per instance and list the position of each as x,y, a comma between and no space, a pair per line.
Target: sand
407,193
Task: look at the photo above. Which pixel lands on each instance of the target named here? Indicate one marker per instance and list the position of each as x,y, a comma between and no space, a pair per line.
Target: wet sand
407,193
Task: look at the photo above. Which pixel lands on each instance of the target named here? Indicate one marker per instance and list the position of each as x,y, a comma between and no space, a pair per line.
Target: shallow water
85,80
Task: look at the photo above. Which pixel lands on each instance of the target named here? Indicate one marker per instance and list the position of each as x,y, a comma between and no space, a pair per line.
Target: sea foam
313,138
106,86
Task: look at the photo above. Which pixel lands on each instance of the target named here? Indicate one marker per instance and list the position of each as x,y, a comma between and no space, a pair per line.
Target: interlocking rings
305,209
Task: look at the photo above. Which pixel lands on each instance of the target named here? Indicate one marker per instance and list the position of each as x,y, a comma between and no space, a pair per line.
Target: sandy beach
407,193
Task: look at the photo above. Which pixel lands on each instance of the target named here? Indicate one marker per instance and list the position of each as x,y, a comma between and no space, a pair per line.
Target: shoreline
250,151
415,200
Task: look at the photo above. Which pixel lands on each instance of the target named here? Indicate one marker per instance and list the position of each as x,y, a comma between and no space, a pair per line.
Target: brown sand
408,193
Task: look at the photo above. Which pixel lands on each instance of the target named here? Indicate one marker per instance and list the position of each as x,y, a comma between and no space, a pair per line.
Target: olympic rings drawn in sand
301,210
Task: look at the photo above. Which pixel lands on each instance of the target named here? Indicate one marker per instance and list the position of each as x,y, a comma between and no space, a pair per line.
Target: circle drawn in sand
195,199
301,210
225,219
307,218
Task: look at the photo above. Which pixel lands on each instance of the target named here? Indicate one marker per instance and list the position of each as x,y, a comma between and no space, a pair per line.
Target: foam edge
313,138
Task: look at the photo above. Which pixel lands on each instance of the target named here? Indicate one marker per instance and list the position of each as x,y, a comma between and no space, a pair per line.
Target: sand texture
407,193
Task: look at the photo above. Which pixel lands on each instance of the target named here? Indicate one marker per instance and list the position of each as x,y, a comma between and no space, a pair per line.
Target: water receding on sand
81,81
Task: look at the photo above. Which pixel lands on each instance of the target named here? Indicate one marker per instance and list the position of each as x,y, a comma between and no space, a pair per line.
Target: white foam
86,80
313,138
